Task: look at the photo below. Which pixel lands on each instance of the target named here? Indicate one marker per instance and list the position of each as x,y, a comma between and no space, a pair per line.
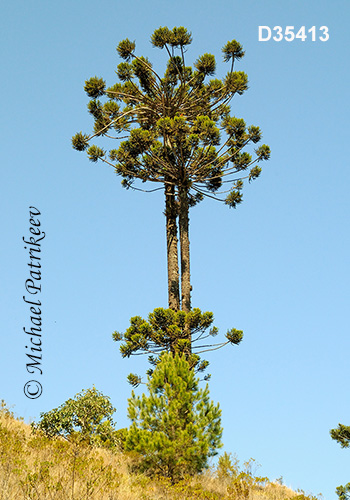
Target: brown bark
185,250
172,251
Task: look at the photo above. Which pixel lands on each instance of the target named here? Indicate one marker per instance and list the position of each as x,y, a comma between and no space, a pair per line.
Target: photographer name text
33,388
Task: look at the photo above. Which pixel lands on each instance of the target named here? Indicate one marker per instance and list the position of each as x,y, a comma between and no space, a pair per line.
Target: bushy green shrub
88,417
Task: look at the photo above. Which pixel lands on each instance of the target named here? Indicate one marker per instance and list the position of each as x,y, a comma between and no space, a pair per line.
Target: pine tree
179,133
176,428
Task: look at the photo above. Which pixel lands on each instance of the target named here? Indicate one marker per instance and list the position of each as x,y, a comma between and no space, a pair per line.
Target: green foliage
254,173
95,153
177,37
342,435
233,198
263,152
236,82
234,336
232,50
124,71
186,116
206,64
180,37
86,417
175,332
227,466
80,141
161,37
176,428
343,492
125,49
95,87
121,435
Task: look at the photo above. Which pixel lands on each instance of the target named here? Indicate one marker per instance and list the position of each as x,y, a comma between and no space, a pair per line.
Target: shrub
87,417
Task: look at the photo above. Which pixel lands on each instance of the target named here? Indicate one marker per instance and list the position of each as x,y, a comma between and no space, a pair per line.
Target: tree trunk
172,251
185,250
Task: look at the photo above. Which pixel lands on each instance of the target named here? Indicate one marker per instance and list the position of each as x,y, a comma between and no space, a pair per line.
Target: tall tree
175,428
179,133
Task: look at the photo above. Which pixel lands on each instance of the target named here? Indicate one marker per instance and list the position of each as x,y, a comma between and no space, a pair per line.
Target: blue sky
277,267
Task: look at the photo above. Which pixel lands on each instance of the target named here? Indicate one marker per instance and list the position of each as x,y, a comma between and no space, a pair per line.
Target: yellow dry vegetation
34,467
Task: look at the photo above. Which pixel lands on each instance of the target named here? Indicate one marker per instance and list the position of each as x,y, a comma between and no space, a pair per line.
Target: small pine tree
176,428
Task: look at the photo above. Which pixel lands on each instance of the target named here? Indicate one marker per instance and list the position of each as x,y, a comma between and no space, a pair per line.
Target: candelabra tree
175,130
167,331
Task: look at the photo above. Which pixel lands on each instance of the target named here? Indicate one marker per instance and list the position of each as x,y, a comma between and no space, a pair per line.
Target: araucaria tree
175,130
169,331
176,428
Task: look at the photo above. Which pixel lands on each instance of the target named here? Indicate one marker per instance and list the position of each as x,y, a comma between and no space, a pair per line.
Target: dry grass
33,467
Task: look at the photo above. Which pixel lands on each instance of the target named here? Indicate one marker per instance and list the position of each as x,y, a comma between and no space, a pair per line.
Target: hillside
33,467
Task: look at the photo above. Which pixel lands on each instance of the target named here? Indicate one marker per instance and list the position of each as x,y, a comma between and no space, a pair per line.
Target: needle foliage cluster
176,128
175,428
167,331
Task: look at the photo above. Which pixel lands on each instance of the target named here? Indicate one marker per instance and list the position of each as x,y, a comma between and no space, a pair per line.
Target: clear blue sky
277,267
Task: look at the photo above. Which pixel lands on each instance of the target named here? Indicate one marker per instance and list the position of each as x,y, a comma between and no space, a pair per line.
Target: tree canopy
168,331
87,416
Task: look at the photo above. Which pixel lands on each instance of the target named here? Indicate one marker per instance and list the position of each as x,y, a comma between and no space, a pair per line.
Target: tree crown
87,416
168,331
178,127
